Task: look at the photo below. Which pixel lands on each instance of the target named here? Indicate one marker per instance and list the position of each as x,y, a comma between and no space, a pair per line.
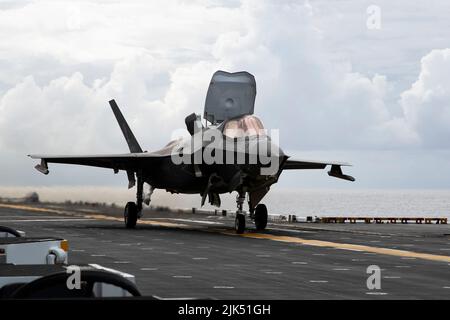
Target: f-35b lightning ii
232,152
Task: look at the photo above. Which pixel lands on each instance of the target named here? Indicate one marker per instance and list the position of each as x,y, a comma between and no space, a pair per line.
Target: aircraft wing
128,161
335,170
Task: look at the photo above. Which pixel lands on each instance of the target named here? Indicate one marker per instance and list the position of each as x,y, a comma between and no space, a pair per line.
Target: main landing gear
260,216
133,211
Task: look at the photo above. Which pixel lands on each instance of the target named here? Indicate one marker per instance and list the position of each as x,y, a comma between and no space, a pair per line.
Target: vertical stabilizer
127,133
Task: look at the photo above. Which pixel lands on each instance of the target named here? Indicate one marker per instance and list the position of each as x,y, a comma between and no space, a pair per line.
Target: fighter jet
232,152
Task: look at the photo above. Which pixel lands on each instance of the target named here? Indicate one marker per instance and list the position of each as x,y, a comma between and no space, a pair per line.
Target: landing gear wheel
261,217
239,223
130,215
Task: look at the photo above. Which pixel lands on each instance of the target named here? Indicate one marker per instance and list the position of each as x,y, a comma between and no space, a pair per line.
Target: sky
340,82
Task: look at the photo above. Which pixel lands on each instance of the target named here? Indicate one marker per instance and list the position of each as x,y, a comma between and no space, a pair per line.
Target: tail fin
127,133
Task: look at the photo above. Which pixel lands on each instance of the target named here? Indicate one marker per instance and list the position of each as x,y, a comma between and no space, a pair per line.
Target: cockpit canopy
245,126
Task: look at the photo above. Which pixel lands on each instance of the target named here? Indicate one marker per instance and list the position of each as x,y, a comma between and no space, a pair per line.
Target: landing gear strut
133,210
239,223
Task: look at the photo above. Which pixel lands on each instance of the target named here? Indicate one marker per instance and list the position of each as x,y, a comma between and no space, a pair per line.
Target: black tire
239,223
261,217
130,215
55,286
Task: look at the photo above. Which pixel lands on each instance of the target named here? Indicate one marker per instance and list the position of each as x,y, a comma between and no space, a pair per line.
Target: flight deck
182,255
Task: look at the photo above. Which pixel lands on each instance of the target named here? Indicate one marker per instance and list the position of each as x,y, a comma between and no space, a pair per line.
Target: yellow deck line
346,246
95,216
29,208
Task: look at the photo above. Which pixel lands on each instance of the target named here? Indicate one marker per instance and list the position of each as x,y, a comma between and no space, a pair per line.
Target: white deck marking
146,248
189,220
318,281
47,220
30,216
149,269
182,277
291,230
341,269
199,258
403,266
98,255
391,277
299,262
376,293
77,250
223,287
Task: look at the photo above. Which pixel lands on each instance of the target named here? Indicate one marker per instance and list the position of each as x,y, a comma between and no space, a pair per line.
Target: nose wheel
239,223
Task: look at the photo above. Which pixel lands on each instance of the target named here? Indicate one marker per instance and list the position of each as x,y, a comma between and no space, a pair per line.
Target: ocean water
301,202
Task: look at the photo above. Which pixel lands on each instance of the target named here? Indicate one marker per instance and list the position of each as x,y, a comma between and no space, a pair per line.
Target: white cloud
62,64
427,103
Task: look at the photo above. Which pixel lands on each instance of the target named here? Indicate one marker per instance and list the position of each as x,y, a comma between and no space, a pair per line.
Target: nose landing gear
239,223
259,215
